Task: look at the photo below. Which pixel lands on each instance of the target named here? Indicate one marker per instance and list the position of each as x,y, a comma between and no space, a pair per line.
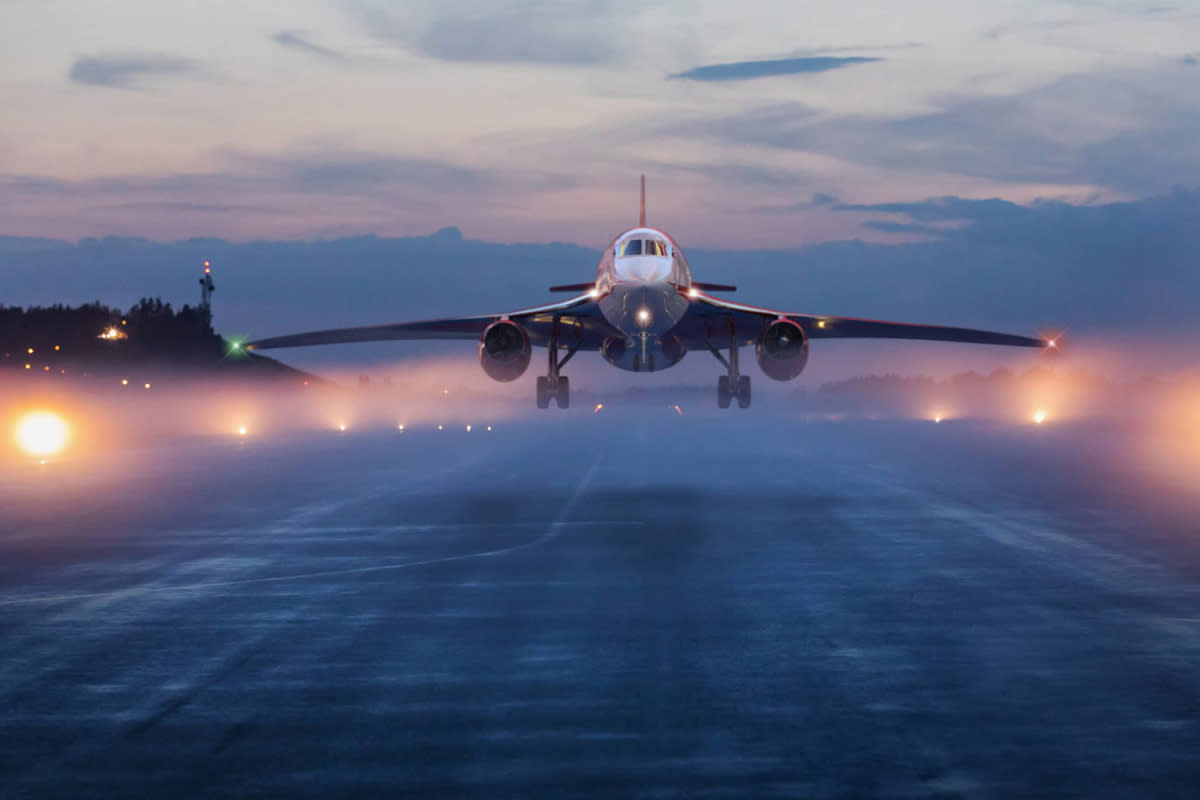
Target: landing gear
554,385
734,384
559,390
727,390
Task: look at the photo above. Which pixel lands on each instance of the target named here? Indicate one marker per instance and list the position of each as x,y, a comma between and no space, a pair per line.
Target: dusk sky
757,123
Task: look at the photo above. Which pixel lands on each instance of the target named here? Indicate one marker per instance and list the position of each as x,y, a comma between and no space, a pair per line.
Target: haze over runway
598,605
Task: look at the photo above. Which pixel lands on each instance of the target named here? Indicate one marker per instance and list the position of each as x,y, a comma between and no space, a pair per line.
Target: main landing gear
734,384
554,385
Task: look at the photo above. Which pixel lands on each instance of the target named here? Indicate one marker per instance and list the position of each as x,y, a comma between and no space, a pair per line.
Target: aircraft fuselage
642,285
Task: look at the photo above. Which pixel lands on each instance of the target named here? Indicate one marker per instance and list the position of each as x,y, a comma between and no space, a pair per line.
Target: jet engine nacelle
782,350
504,351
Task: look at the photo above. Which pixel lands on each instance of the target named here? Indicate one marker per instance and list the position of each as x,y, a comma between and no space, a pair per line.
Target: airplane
643,313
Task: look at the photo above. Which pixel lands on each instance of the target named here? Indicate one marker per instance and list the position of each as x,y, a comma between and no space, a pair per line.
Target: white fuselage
642,287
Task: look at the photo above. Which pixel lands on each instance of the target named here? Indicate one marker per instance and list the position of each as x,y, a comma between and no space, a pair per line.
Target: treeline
150,329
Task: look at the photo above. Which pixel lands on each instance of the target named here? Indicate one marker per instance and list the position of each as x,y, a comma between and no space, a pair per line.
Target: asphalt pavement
603,605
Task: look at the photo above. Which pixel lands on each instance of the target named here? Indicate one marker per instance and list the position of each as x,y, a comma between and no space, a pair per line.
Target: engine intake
504,351
782,350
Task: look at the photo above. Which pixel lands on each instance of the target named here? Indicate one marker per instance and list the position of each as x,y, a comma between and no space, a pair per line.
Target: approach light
57,348
439,427
242,431
468,429
28,366
678,410
147,386
400,428
42,433
599,406
30,351
1039,416
342,427
489,427
124,381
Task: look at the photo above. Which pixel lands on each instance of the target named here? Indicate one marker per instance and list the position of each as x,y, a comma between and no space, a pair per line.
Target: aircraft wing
747,324
579,319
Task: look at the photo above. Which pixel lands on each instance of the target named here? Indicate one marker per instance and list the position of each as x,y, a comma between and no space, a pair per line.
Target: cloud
566,33
1132,133
748,70
294,40
1190,59
131,71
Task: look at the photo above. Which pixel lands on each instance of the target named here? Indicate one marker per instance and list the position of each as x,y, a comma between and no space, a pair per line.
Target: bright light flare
599,406
1039,416
342,427
678,410
42,433
242,431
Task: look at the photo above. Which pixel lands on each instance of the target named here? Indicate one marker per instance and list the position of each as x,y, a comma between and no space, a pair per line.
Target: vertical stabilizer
642,212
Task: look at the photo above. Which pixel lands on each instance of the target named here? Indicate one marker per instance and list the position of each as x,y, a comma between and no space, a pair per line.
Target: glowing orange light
147,386
599,406
46,368
42,433
30,351
28,366
57,348
678,411
124,381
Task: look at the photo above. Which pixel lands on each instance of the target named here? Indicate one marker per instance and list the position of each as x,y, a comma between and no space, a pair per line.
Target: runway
576,605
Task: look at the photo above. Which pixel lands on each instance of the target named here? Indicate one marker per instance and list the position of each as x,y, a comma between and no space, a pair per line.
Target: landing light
593,293
1039,416
693,292
821,323
643,317
599,406
468,429
439,427
400,428
42,433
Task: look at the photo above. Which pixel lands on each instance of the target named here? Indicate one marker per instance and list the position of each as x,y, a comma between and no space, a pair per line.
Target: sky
758,124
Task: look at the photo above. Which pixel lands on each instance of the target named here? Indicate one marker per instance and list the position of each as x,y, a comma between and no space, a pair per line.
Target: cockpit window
644,247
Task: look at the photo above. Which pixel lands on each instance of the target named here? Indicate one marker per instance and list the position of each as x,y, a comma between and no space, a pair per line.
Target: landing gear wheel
564,392
743,392
723,394
543,392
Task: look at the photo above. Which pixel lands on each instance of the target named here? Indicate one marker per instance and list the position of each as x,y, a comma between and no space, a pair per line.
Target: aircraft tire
543,392
564,392
723,394
743,393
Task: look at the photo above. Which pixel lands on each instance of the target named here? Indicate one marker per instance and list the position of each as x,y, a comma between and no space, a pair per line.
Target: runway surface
603,606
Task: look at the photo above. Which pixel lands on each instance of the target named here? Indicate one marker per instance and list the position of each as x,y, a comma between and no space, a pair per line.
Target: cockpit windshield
643,247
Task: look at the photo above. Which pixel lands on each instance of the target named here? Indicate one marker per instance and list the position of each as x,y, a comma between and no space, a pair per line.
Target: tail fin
642,214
